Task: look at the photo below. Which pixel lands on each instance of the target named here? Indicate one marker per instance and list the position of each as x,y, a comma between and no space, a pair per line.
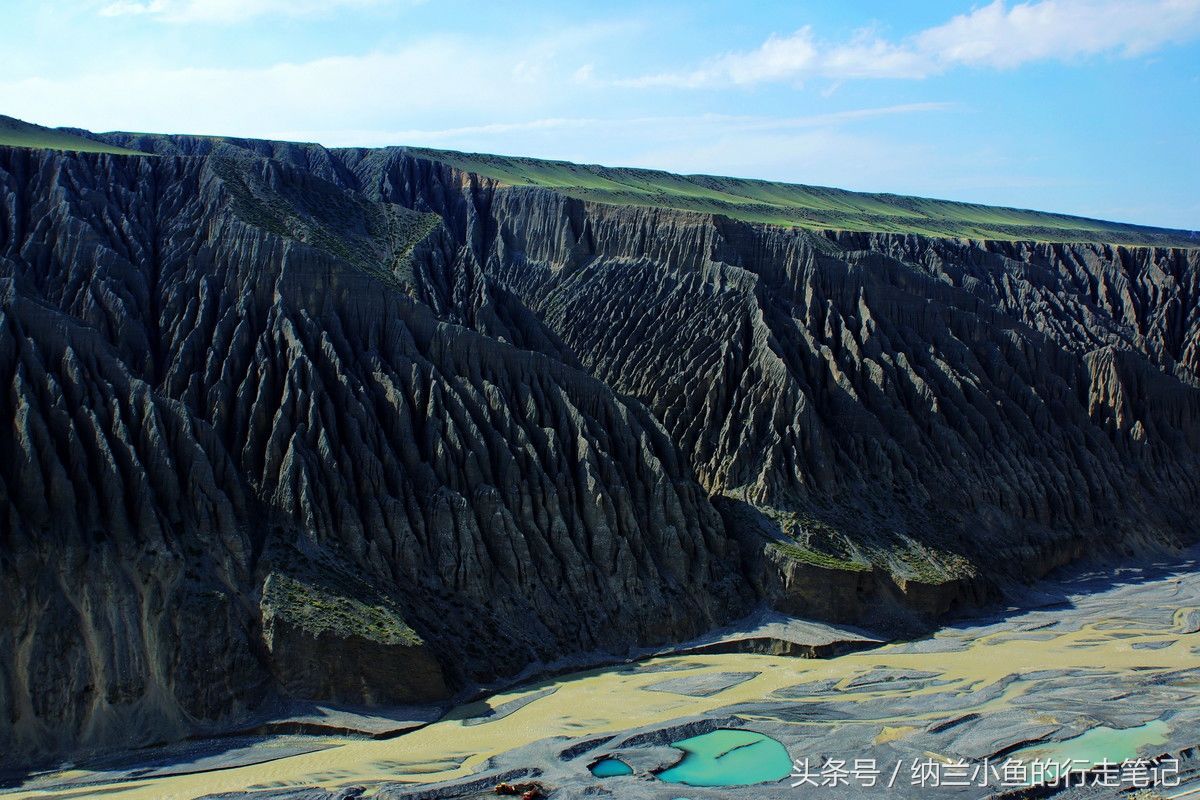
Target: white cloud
995,35
868,56
778,58
437,79
226,10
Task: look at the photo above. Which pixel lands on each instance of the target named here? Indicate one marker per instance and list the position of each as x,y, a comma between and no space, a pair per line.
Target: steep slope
206,389
875,386
281,413
933,407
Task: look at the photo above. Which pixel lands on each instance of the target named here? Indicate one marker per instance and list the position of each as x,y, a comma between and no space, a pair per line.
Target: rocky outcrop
514,425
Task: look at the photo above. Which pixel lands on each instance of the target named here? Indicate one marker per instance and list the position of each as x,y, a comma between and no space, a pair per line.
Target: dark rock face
193,400
528,425
927,389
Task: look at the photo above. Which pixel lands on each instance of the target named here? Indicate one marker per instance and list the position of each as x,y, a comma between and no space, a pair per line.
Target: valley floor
1093,666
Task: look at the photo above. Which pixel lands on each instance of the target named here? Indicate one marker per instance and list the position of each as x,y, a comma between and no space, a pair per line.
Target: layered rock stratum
371,426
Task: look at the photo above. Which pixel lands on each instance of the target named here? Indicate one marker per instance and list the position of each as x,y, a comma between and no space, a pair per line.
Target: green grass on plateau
815,207
15,133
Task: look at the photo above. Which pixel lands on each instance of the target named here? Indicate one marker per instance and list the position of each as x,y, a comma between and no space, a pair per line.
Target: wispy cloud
697,125
996,36
437,79
228,10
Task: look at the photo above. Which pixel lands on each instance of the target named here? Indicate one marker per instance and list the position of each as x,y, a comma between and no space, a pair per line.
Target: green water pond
729,758
610,768
1113,745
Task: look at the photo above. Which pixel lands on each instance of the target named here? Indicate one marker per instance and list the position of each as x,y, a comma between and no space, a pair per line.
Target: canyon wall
458,428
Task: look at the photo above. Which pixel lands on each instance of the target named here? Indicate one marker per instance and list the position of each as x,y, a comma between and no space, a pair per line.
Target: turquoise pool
610,768
1113,745
729,758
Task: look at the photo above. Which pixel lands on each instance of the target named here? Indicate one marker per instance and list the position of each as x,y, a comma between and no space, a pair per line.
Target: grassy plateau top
748,200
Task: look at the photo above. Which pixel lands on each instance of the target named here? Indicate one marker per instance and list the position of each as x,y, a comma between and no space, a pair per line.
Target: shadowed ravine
369,428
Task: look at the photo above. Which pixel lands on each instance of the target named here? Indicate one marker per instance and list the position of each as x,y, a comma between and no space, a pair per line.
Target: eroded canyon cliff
362,425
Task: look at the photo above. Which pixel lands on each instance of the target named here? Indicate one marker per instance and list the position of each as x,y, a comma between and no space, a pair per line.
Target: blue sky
1082,106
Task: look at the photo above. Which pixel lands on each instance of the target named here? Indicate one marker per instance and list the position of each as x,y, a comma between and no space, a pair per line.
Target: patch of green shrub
817,559
317,610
